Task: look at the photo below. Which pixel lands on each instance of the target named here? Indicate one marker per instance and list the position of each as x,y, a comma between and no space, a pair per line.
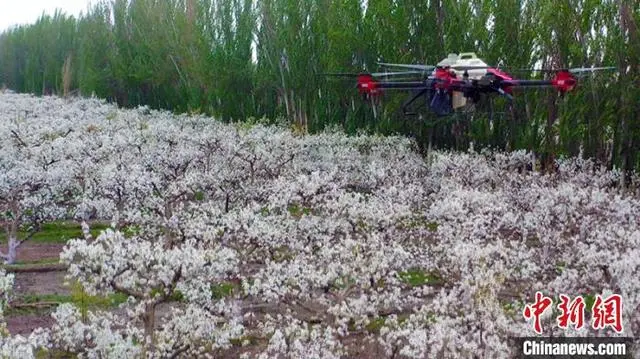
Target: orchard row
268,244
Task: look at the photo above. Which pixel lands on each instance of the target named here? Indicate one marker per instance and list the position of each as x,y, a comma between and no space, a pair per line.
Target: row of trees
237,59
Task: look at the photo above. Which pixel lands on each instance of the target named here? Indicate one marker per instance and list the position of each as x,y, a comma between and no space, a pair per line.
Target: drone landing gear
405,107
440,102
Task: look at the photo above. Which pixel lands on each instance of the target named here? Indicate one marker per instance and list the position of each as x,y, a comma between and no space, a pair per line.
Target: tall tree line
238,59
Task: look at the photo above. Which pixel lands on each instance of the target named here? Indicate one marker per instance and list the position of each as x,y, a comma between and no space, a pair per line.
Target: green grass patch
375,325
86,302
54,354
513,308
420,222
58,232
176,296
52,260
298,211
33,268
281,254
28,304
245,340
130,231
223,290
344,282
78,297
589,301
264,211
41,298
416,277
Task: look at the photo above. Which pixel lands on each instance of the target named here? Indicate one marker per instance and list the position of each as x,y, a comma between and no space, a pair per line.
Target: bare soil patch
25,324
36,283
40,283
31,252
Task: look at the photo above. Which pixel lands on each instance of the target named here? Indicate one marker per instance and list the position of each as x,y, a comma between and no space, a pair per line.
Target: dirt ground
35,283
40,283
30,252
25,324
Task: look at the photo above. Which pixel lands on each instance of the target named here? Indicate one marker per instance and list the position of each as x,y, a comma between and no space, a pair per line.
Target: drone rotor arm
563,81
403,85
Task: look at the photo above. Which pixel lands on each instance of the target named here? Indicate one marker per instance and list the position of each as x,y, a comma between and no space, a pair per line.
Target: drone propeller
374,74
431,67
575,70
409,66
590,69
469,67
581,72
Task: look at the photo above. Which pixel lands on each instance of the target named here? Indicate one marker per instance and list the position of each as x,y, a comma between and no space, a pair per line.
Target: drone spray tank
469,59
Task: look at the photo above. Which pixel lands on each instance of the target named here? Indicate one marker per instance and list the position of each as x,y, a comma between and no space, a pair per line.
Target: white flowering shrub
255,242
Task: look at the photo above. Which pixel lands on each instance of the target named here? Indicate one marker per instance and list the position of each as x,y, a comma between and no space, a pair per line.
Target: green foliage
239,59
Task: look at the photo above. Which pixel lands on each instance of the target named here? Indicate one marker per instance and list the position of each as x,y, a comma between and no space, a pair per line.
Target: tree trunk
552,114
13,242
440,19
149,325
12,250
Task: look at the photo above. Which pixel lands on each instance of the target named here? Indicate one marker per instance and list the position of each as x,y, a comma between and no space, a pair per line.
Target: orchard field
204,239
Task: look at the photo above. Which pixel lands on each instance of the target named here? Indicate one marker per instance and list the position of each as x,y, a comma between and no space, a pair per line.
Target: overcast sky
15,12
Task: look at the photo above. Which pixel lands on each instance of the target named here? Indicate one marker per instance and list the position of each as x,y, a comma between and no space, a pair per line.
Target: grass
375,325
41,298
78,297
58,232
416,277
86,302
222,290
247,340
38,265
54,354
52,260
